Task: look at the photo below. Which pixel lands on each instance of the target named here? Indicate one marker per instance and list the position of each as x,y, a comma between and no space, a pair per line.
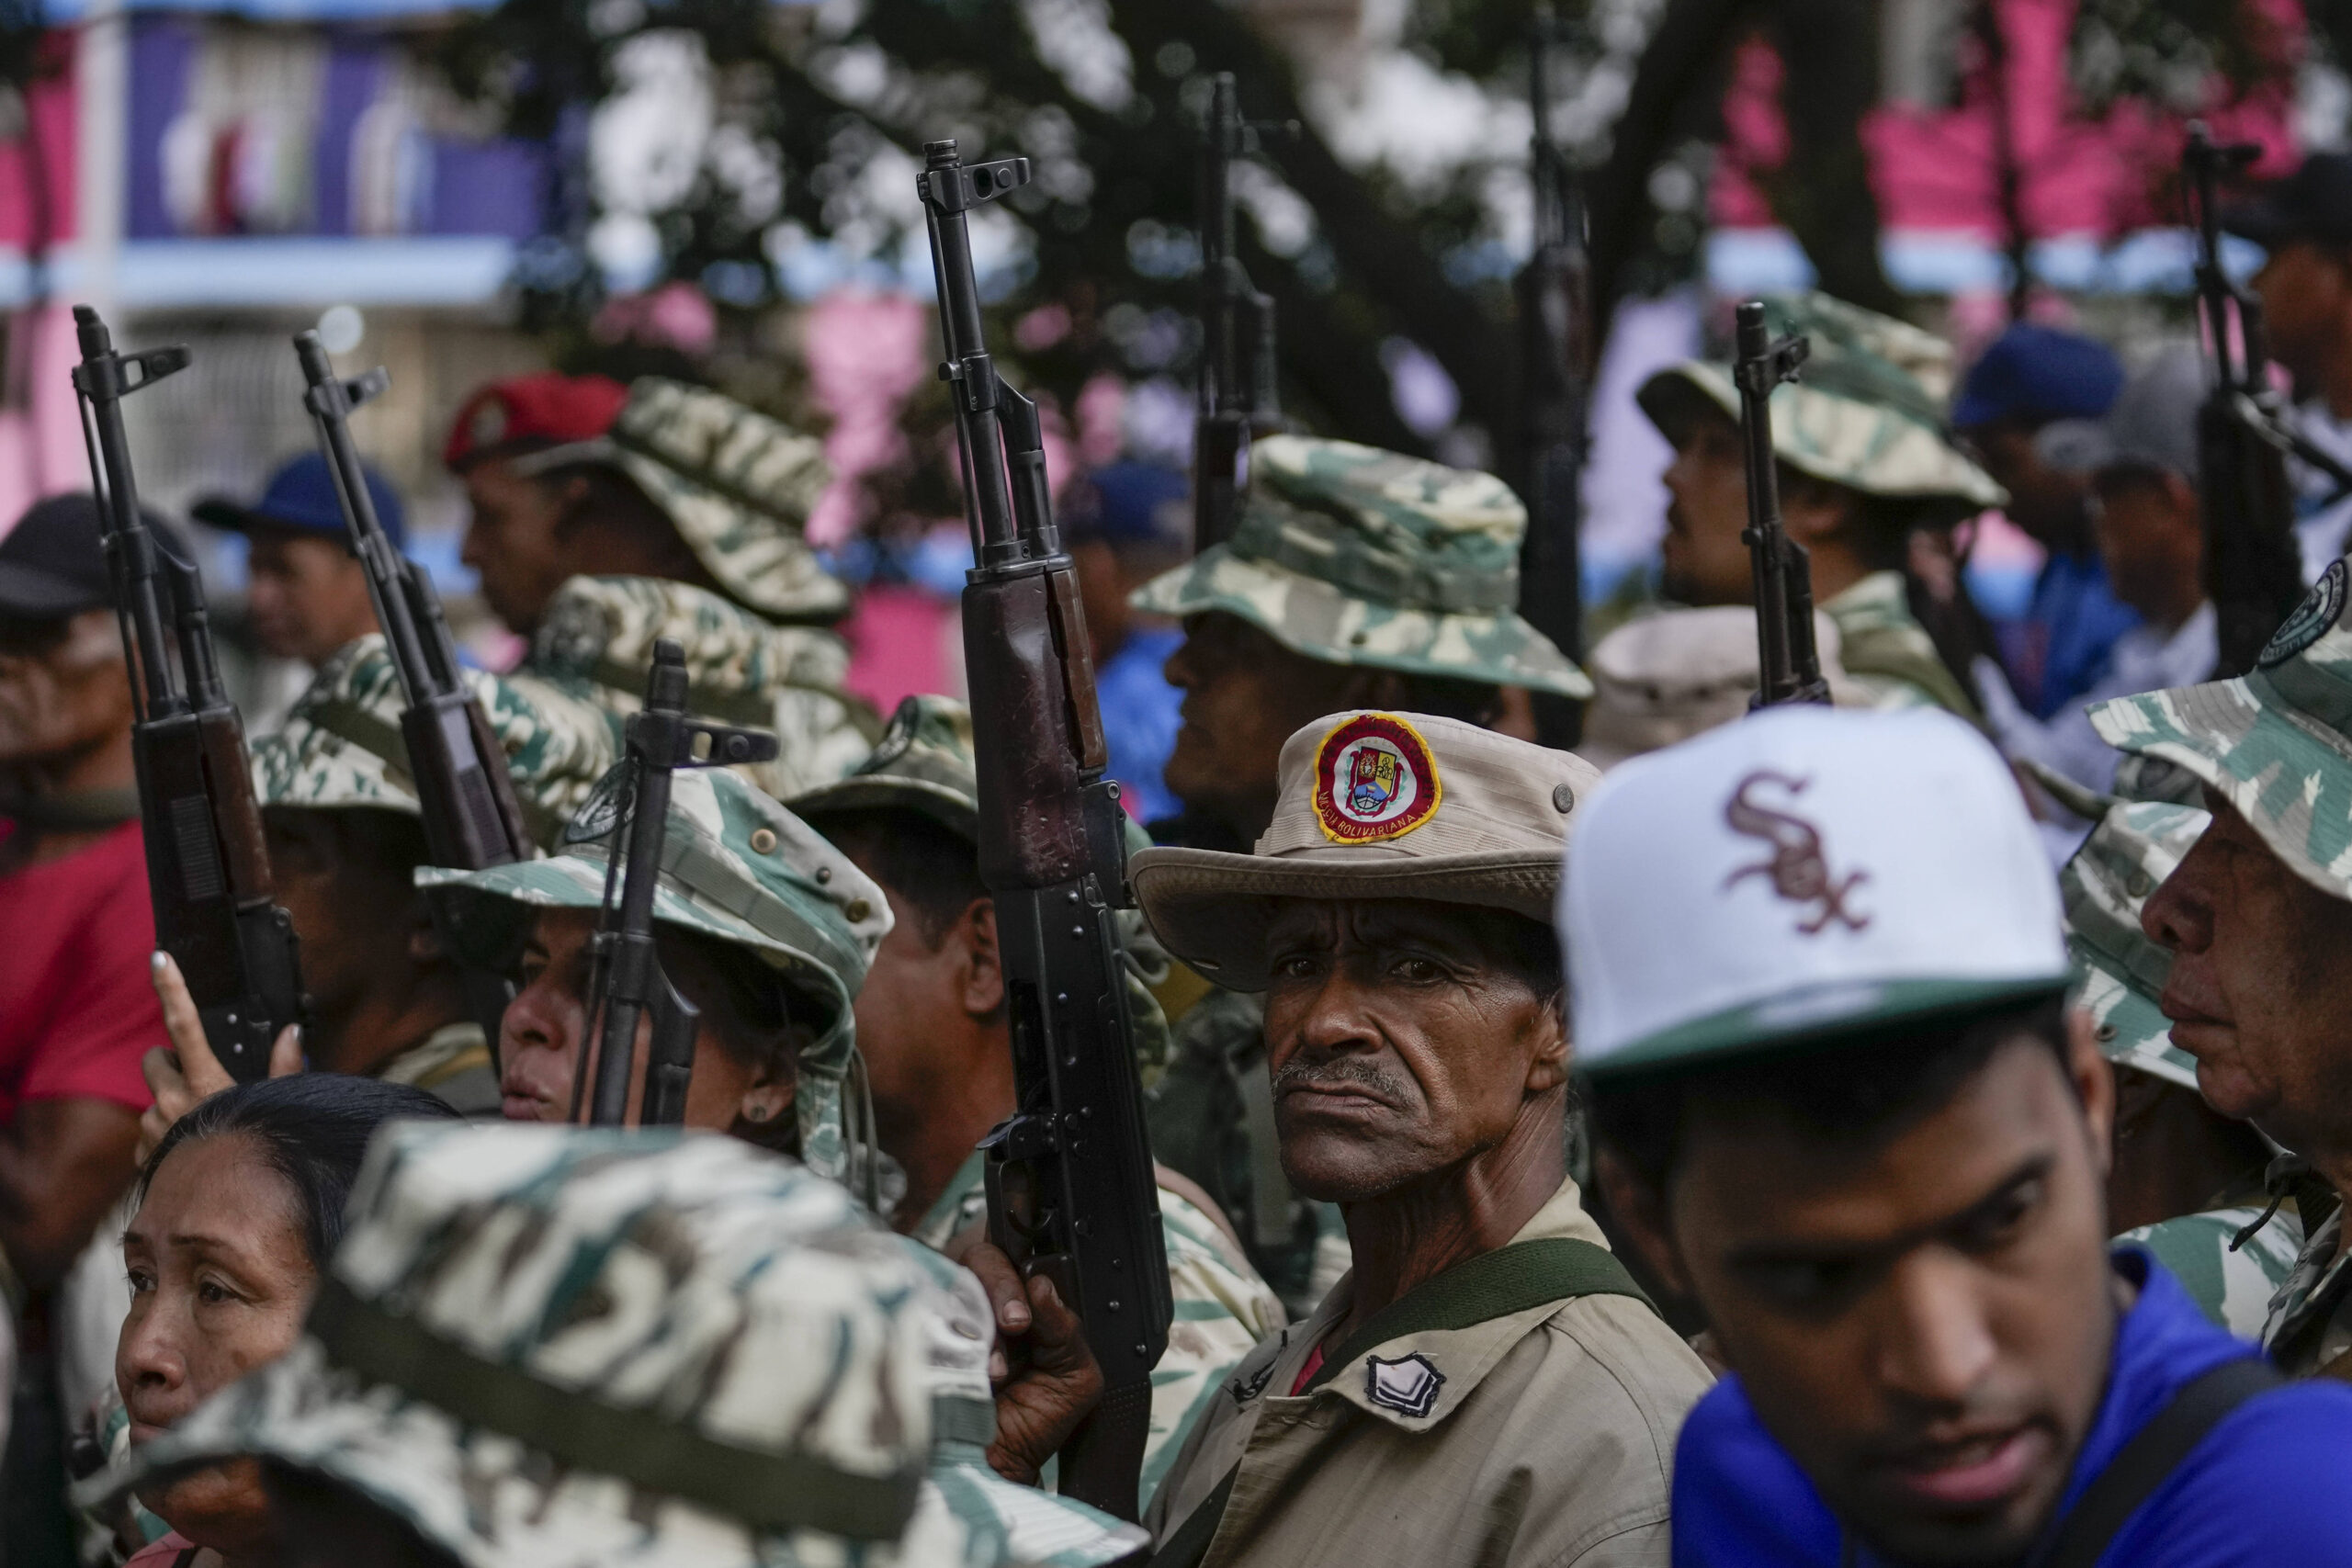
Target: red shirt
76,1009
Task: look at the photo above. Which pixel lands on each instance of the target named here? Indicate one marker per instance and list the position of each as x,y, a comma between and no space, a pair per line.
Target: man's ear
1642,1219
1547,1070
2094,1086
983,968
1813,513
424,949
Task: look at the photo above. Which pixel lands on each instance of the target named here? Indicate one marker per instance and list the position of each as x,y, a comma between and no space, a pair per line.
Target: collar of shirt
966,1199
1738,1496
1413,1382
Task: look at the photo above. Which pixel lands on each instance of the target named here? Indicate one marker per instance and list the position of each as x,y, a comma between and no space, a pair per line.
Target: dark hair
313,1129
1857,1093
928,866
320,1516
612,502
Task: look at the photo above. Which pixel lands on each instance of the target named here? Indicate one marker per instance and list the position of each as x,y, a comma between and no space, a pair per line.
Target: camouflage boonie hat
1866,412
925,763
1355,555
341,746
2119,973
739,485
543,1345
735,866
598,634
2276,742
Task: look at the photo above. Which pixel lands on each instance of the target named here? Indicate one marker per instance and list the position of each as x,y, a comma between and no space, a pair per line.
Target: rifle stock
1070,1185
207,864
1788,665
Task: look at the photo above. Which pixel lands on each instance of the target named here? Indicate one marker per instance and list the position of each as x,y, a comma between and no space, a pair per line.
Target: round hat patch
1374,780
2311,620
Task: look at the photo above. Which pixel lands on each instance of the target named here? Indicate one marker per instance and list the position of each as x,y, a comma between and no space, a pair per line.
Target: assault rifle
1788,666
463,787
2253,563
627,981
1237,392
1070,1189
208,864
1555,378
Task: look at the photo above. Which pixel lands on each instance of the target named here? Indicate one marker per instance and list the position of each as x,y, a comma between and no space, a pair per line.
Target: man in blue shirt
1818,983
1127,525
2031,378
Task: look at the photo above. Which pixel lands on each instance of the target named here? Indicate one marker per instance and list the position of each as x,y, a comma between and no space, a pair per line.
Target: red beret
545,410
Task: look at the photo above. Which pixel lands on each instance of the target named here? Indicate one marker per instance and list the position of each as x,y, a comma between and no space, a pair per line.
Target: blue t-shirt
2072,621
1140,720
2267,1486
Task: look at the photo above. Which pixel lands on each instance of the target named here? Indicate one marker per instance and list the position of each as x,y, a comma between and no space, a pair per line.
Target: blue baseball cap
301,499
2038,374
1133,504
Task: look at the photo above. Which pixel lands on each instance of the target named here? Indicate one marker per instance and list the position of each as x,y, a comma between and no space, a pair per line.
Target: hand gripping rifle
2253,563
1238,392
627,982
208,864
1787,663
463,788
1555,378
1070,1189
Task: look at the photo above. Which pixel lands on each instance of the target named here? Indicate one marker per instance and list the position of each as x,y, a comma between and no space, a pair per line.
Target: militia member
2187,1183
305,591
1819,985
435,1411
763,925
1487,1385
605,517
1864,466
75,1009
1355,579
2258,920
2304,222
932,1029
2031,379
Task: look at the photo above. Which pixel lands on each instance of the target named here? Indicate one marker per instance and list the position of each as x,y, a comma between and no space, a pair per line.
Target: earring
758,1112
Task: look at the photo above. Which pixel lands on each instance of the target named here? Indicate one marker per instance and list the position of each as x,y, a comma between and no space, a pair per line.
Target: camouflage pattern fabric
559,1348
1866,412
2309,1326
2119,971
925,763
596,642
1889,658
739,486
1665,676
453,1063
735,866
341,745
1223,1308
2276,743
1355,555
2234,1284
1211,1118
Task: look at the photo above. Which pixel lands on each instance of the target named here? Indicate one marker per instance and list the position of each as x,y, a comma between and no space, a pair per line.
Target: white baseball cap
1801,875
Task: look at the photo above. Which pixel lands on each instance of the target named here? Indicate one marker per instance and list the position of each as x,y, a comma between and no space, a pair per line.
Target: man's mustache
1339,1070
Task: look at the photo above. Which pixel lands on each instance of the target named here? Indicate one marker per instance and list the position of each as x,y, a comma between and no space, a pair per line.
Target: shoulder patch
2312,619
1407,1385
1374,779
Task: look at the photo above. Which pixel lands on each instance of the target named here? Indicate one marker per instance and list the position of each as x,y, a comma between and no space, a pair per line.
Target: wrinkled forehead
1492,938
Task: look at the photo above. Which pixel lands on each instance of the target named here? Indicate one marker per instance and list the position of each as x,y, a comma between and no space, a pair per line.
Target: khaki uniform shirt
1887,653
1541,1437
2310,1326
1223,1308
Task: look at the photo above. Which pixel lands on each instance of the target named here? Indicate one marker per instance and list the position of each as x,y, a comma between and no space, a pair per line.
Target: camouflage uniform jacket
2234,1288
2310,1326
1887,652
1222,1307
1543,1438
597,640
1212,1118
454,1063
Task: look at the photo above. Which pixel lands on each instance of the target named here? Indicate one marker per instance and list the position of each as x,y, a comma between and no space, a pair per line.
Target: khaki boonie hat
1866,411
2276,743
739,485
341,746
1355,555
735,866
1375,805
541,1345
1669,676
2119,971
